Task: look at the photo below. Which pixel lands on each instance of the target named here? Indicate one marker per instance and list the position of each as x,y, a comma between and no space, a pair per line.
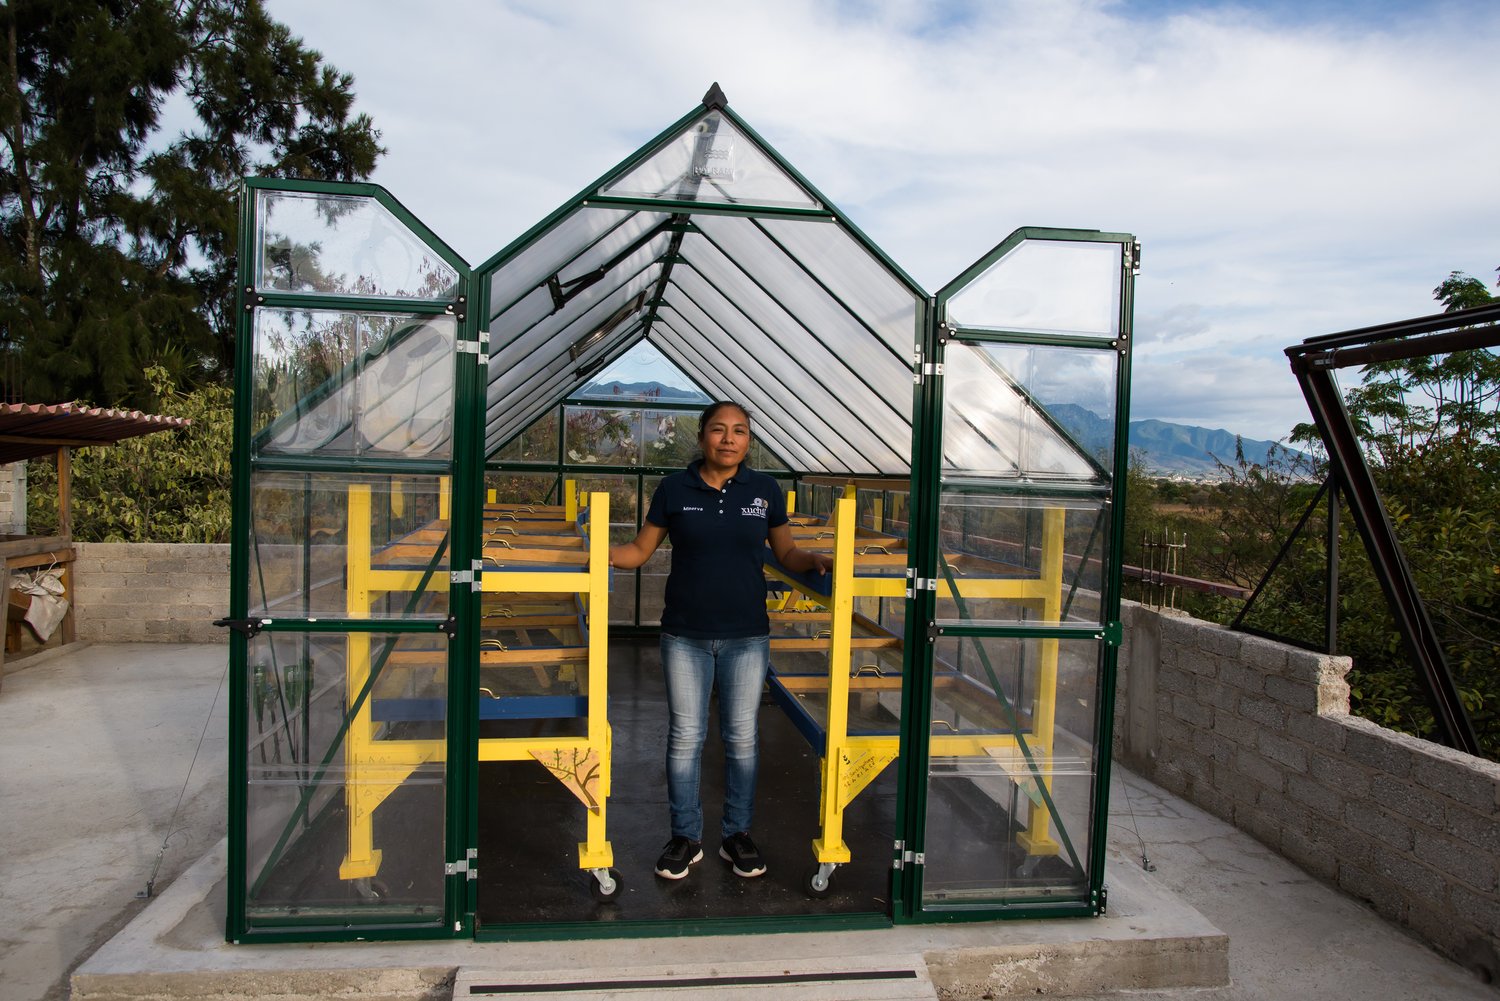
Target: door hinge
461,577
1133,257
468,866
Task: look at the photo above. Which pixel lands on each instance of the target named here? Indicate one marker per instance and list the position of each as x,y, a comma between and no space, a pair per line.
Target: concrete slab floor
95,747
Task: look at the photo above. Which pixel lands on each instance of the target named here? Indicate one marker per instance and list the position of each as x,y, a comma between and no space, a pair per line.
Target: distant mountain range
639,391
1166,449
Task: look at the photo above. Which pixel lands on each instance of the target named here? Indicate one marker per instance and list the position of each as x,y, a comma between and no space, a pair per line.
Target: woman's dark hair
714,408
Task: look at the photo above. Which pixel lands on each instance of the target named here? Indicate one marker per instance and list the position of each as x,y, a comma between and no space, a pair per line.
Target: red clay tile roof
28,430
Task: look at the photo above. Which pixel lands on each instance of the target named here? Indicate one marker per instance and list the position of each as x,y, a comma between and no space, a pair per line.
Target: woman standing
719,514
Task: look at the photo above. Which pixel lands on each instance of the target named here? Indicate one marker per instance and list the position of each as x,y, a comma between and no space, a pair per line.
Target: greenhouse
448,715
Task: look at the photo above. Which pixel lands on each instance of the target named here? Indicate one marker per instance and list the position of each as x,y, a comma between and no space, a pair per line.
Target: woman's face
725,438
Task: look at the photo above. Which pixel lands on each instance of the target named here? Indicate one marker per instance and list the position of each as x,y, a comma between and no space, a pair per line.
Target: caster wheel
597,888
372,889
817,883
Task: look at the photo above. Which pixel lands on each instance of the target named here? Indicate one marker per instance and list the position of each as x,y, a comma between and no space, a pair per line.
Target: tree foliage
118,228
169,486
1430,427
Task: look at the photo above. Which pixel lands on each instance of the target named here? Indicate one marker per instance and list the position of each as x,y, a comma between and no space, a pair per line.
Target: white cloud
1290,173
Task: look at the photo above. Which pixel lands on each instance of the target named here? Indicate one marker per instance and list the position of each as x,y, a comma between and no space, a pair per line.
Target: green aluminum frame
922,625
470,461
458,822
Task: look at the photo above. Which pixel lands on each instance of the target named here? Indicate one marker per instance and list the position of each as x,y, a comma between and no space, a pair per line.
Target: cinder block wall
1259,733
151,592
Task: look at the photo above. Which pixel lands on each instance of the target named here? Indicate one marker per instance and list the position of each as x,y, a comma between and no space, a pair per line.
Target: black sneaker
741,852
677,856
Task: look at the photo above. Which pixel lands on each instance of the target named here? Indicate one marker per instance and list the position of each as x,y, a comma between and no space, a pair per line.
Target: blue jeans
693,667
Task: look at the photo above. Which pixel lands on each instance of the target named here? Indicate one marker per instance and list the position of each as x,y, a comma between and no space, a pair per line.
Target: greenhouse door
1020,468
348,804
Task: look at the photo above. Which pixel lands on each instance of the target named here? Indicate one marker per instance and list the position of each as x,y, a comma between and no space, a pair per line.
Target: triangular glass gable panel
712,161
643,375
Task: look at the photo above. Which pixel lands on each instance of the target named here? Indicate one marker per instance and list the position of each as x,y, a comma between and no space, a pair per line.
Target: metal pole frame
1314,363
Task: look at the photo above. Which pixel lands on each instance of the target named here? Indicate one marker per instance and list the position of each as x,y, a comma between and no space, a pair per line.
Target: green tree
170,486
117,233
1430,427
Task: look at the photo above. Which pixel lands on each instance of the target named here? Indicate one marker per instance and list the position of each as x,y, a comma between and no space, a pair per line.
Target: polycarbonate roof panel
835,324
799,318
846,268
712,161
768,415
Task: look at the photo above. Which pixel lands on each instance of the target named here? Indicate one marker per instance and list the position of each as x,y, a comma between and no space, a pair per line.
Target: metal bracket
252,299
1101,899
933,632
456,307
454,868
449,626
248,628
945,333
932,368
461,577
1133,257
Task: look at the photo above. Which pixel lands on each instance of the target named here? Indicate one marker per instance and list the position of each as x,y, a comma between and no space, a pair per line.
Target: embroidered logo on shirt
687,507
759,508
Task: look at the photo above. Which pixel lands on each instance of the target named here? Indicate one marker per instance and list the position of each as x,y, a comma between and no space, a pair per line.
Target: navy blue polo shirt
717,586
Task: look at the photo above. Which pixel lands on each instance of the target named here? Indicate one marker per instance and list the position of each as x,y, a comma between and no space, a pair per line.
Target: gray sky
1291,168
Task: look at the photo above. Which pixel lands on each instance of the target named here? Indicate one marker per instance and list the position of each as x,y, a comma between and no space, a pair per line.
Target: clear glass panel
595,435
854,275
342,383
1046,286
1010,771
326,545
537,443
643,375
346,740
993,427
1009,559
343,245
712,161
671,438
522,488
652,577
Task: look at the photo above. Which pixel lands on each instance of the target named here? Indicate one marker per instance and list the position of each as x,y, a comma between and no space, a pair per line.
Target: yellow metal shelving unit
868,564
543,574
